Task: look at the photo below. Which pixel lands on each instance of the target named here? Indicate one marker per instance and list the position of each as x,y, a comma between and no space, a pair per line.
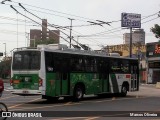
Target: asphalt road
145,102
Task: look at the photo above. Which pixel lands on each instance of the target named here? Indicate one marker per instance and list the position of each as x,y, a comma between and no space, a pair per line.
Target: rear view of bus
25,72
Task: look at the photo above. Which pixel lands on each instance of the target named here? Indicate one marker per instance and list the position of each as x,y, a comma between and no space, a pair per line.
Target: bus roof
61,48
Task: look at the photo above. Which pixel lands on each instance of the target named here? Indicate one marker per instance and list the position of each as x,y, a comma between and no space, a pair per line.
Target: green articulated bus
55,71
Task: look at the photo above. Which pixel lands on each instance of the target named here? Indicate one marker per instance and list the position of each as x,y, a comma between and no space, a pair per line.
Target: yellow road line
68,103
120,99
92,118
30,108
8,97
70,118
23,103
74,118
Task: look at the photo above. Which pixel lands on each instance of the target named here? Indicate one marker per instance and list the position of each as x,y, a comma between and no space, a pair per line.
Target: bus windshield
26,60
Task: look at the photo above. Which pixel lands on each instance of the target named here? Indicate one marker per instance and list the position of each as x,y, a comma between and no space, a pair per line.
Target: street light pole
70,32
5,50
130,45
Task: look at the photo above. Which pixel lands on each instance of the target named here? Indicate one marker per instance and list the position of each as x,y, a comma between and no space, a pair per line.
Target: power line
94,23
75,46
109,31
35,21
151,20
79,16
14,19
150,16
16,24
10,31
50,10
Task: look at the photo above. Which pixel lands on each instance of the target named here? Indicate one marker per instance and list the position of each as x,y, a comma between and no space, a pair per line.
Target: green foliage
5,68
156,30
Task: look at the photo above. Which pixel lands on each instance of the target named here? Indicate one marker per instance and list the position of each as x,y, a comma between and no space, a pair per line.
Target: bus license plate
25,92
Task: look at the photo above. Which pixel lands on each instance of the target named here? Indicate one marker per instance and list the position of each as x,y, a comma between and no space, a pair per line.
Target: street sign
131,20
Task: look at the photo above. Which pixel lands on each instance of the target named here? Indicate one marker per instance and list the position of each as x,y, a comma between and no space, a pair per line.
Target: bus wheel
78,93
124,91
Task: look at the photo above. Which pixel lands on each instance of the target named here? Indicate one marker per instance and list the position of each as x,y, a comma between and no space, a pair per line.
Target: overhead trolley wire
82,45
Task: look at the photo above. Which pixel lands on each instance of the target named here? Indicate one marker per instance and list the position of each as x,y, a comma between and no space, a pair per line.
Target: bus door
105,82
134,78
65,83
62,76
104,77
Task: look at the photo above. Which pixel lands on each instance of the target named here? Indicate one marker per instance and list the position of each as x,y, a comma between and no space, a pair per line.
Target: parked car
1,87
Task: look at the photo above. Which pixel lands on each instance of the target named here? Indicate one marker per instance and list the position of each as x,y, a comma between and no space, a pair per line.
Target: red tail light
40,82
11,82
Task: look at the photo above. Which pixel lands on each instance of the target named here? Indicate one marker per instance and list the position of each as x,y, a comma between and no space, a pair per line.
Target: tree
5,66
156,30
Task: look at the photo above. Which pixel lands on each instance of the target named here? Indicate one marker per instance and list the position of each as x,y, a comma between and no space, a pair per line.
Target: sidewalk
148,85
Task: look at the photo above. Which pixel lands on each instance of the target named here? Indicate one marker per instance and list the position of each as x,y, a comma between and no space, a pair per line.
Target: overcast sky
13,32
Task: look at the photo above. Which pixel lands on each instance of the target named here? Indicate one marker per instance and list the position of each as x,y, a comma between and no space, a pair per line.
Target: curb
158,85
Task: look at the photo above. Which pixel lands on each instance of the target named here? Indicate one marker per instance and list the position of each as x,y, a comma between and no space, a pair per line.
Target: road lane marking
23,103
31,108
70,118
119,99
92,118
113,98
68,103
8,97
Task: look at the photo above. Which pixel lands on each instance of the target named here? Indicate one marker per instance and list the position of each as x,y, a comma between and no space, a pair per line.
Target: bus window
125,66
115,66
77,64
49,62
26,60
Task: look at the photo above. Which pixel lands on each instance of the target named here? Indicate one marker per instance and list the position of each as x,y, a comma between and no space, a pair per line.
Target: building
44,36
153,62
138,51
138,36
123,49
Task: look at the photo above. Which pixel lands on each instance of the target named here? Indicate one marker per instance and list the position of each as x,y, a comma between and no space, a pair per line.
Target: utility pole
70,32
5,50
130,45
28,40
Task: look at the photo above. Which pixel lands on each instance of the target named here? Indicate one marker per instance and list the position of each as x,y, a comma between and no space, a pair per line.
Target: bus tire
124,90
78,93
